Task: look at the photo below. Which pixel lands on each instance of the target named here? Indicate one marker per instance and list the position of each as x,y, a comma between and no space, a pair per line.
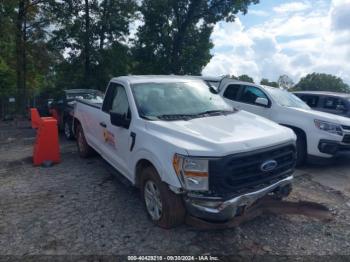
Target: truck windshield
179,100
285,98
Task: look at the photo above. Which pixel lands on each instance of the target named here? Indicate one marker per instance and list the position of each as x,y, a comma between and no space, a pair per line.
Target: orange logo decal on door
108,137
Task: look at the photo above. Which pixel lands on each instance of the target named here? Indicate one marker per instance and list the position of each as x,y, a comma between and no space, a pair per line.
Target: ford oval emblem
268,165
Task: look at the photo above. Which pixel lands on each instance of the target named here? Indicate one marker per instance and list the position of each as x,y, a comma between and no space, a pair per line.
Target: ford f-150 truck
319,135
187,150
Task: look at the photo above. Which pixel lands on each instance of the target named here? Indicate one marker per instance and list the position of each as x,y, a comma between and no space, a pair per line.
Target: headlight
193,172
329,127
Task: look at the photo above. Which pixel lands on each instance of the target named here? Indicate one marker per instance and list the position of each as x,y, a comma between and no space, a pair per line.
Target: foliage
175,36
7,79
246,78
322,82
266,82
285,82
7,47
91,39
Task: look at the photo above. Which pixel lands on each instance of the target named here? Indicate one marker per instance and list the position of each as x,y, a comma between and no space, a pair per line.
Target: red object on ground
35,117
46,146
54,114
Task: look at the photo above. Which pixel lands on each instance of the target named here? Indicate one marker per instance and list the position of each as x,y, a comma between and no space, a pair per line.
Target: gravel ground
79,207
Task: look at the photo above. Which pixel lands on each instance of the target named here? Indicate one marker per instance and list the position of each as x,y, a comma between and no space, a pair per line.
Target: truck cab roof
324,93
137,79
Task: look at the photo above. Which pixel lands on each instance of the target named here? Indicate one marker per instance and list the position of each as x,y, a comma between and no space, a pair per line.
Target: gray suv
330,102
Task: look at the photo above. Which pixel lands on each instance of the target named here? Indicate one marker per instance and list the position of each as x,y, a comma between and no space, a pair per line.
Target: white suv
319,134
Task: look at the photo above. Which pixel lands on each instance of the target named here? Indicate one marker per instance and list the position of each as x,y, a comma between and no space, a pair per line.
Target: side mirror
262,101
341,108
119,120
213,89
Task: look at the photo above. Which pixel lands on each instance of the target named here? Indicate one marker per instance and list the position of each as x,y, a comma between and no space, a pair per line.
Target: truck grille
241,173
346,139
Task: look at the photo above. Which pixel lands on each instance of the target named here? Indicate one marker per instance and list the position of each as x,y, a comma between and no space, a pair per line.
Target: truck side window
333,103
231,92
116,100
312,101
120,103
250,94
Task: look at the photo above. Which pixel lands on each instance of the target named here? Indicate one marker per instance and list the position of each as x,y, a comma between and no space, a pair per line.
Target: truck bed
87,102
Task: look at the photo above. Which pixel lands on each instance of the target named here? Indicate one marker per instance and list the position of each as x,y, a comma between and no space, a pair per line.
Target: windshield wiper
215,112
172,117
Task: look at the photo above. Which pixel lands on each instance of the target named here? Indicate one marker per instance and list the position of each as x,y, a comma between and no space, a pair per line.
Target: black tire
301,148
172,207
67,128
84,149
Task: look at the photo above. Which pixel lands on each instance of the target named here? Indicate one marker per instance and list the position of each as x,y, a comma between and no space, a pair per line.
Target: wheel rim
67,130
153,201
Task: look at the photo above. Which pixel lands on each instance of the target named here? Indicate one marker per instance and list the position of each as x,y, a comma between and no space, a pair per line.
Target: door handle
103,124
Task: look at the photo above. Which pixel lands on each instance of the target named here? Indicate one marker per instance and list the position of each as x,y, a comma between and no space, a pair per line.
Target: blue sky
288,37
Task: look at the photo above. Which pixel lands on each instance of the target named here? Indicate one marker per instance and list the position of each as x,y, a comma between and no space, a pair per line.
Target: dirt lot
79,207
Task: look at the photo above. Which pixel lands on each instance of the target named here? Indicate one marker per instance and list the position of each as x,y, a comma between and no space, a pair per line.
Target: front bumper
332,147
216,209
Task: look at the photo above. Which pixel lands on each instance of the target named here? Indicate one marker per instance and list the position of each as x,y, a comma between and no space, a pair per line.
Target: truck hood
221,135
313,114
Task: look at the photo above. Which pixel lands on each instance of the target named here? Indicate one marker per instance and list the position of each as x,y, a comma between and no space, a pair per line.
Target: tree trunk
180,36
21,56
87,44
103,25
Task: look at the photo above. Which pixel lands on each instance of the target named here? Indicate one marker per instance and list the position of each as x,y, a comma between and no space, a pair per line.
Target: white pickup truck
186,149
319,134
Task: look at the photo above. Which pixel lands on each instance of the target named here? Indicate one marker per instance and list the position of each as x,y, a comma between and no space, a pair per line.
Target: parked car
185,148
63,106
330,102
319,134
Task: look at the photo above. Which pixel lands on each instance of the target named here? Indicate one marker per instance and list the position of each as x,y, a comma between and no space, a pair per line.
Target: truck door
116,140
245,97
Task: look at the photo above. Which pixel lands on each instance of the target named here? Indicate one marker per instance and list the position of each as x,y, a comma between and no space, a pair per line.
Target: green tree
7,49
29,22
91,40
322,82
266,82
175,36
246,78
285,82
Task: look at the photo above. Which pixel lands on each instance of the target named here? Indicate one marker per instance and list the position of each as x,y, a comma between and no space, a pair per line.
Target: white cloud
258,12
297,44
341,16
292,7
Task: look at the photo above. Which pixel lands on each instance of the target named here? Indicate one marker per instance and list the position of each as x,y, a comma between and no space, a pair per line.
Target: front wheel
164,207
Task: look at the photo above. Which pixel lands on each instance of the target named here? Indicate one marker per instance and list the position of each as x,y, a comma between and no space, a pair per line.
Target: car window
250,94
154,100
120,103
333,103
116,100
312,101
231,92
287,99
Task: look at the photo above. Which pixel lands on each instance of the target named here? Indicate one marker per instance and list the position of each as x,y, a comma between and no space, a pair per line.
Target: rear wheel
164,207
83,148
68,133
